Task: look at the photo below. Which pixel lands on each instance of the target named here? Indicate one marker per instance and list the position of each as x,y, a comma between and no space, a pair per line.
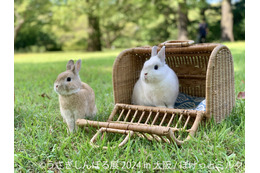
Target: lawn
42,144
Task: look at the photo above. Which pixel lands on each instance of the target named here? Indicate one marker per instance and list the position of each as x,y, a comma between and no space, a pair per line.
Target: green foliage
213,19
239,20
34,39
34,16
42,144
59,24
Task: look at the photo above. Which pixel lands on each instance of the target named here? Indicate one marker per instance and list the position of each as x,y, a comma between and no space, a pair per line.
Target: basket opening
189,64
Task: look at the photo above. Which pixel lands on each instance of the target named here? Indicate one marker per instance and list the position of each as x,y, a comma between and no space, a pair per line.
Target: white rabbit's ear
154,51
78,66
161,54
70,64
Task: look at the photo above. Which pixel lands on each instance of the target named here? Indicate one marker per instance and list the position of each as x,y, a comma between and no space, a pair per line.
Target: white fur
159,87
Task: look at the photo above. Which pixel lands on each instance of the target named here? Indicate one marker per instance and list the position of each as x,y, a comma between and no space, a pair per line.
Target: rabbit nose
145,74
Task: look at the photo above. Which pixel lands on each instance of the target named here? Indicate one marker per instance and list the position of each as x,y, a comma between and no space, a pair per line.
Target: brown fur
77,99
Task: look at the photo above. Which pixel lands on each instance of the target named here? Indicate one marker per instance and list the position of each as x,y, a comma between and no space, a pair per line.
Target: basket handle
176,43
103,129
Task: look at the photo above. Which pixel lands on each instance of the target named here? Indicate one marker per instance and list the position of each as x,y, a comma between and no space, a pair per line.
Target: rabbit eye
155,67
68,79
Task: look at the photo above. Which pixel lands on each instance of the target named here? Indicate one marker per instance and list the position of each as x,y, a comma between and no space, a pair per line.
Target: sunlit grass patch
62,56
42,143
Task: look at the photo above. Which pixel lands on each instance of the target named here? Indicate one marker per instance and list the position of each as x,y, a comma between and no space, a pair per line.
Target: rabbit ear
70,64
161,54
154,51
77,66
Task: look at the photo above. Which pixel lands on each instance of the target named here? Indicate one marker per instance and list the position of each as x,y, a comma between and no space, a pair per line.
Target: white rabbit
158,84
77,99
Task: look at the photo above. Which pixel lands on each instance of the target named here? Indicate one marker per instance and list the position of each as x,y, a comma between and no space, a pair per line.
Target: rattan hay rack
204,70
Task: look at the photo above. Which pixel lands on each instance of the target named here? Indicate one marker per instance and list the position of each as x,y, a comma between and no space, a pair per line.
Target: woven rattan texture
160,124
204,70
220,97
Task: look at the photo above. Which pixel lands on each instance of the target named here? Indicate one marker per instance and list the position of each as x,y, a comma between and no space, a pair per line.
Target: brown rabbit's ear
70,64
77,66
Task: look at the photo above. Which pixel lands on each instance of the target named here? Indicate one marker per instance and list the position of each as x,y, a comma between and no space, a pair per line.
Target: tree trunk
226,21
17,29
182,21
94,35
19,25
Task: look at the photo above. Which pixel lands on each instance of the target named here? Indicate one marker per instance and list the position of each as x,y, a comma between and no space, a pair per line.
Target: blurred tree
92,25
117,20
239,20
130,23
107,20
94,34
203,6
32,19
18,23
36,39
34,12
226,21
70,24
182,20
196,13
167,15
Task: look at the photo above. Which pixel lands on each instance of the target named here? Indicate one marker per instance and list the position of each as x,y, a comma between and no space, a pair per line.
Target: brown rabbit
77,99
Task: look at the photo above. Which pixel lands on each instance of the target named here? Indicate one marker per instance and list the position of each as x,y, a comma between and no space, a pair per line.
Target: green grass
42,143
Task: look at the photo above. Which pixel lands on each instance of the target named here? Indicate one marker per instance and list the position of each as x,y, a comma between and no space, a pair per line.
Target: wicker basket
204,70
